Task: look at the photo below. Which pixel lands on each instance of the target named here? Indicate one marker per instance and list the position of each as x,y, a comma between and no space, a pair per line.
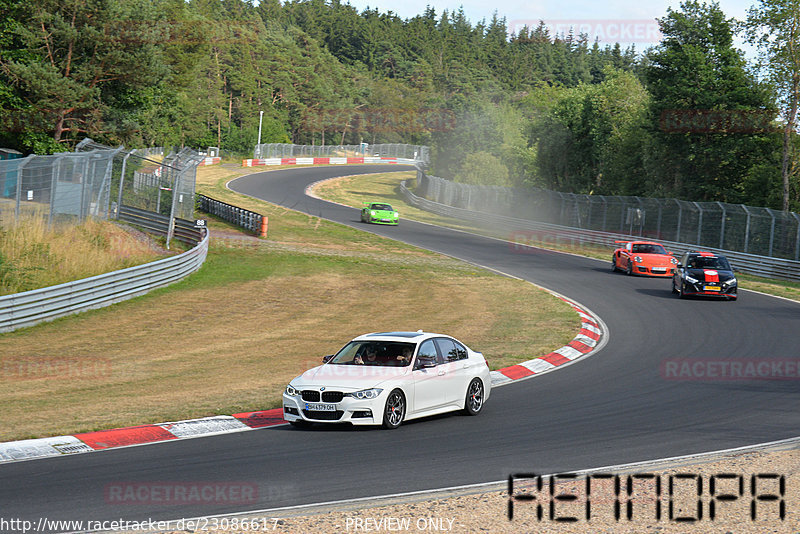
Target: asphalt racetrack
620,405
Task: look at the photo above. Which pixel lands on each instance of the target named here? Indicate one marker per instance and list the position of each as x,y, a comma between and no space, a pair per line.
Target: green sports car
378,212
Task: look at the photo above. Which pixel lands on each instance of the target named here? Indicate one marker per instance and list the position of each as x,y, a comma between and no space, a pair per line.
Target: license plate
713,288
316,407
659,270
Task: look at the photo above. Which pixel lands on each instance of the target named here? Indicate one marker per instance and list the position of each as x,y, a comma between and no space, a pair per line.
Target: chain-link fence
66,185
95,180
280,150
733,227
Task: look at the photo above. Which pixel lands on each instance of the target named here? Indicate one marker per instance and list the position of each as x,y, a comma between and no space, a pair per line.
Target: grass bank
35,255
258,313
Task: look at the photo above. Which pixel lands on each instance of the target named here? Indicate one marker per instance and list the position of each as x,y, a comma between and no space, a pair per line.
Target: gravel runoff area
743,482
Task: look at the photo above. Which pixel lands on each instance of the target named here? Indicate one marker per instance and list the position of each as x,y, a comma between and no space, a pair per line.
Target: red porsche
645,258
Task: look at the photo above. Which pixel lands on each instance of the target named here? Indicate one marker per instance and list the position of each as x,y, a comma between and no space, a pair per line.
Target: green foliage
589,139
693,71
774,25
526,109
483,168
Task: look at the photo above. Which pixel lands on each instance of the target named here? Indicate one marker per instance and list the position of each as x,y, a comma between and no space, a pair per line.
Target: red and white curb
30,449
587,340
324,161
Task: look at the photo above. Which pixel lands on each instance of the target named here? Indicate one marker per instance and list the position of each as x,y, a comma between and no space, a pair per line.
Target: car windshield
648,248
709,262
382,207
380,353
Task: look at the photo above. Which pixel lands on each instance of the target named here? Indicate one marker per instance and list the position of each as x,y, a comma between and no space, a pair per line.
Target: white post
258,145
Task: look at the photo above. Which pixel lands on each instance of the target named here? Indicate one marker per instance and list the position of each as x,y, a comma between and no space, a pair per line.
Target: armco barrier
249,220
524,231
156,223
325,161
39,305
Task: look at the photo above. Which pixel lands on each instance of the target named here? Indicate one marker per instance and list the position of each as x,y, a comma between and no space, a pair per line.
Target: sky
624,21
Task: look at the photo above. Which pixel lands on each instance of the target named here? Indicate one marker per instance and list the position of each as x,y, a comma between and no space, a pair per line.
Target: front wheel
681,294
395,409
473,404
629,269
613,264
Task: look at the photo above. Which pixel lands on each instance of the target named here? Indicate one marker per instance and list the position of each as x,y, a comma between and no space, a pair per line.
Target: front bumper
378,220
348,410
647,270
705,289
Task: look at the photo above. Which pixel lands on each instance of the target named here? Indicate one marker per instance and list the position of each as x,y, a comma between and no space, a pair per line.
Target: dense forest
689,117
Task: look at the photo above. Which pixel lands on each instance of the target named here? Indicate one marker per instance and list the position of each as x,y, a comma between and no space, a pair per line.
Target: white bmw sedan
387,378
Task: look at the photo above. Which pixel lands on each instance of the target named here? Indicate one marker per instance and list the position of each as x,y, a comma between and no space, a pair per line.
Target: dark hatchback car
704,274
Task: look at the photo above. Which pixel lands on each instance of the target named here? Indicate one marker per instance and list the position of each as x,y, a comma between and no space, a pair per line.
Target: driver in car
370,358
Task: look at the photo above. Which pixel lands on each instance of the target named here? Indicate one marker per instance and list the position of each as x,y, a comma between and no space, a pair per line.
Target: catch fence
385,150
95,180
712,225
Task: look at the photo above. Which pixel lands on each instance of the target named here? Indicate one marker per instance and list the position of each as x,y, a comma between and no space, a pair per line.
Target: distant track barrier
249,220
525,235
325,161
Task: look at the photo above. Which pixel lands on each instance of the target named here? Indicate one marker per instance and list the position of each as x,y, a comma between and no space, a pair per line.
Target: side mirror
425,362
326,359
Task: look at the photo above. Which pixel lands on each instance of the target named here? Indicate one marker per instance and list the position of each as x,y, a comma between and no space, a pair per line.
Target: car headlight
372,213
292,391
690,279
638,259
396,215
674,261
365,394
730,282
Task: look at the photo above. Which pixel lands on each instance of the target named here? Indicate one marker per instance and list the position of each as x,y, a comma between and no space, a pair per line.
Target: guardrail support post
746,229
122,180
797,238
264,225
699,222
722,229
19,186
771,232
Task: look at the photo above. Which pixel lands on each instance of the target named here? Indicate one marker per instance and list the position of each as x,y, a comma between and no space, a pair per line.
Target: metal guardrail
249,220
39,305
157,223
525,233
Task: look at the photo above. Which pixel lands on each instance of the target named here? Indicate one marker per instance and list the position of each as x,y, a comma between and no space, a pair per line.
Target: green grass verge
354,190
258,313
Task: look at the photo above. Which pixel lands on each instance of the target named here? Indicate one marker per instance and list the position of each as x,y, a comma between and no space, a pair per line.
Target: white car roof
414,337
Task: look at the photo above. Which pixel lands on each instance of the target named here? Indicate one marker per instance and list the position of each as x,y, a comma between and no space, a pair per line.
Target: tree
774,25
695,73
483,168
78,53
